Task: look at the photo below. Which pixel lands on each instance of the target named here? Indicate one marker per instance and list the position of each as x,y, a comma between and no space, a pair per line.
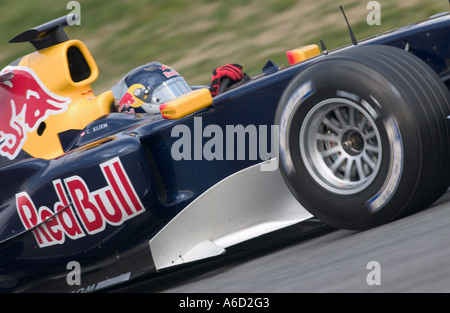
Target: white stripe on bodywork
243,206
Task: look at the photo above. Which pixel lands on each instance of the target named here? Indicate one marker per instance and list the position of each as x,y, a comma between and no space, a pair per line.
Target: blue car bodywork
117,186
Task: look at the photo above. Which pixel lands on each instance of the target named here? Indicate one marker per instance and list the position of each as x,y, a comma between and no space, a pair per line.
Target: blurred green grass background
195,36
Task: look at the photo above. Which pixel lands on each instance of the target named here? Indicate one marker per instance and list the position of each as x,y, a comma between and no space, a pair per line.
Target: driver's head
145,88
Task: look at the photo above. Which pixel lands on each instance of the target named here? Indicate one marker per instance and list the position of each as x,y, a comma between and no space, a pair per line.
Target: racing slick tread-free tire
364,136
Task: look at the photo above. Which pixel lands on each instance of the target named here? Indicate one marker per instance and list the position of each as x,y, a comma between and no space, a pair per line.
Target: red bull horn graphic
25,102
126,102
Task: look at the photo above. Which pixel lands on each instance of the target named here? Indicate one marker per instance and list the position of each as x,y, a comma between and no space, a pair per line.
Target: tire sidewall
384,198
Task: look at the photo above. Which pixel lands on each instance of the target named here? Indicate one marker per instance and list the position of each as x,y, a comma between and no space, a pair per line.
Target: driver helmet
146,87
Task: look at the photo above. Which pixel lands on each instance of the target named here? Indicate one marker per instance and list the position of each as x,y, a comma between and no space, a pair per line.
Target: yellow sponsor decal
187,104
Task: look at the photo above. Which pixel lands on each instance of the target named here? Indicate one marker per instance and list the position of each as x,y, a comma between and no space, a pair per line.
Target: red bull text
87,213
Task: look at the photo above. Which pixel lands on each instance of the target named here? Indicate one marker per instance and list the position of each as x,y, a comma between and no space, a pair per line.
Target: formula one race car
90,197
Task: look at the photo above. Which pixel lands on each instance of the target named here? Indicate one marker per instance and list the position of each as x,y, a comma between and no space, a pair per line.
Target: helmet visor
170,89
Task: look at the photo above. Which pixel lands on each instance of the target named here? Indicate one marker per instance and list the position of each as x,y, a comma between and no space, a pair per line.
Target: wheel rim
340,146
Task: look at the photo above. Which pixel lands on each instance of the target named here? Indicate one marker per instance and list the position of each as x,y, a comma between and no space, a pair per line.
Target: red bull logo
126,102
25,103
168,71
80,212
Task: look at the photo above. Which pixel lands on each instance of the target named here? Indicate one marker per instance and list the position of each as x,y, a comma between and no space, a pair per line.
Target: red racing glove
232,71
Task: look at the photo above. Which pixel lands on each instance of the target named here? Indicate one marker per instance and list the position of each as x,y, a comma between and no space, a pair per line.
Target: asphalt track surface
413,255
